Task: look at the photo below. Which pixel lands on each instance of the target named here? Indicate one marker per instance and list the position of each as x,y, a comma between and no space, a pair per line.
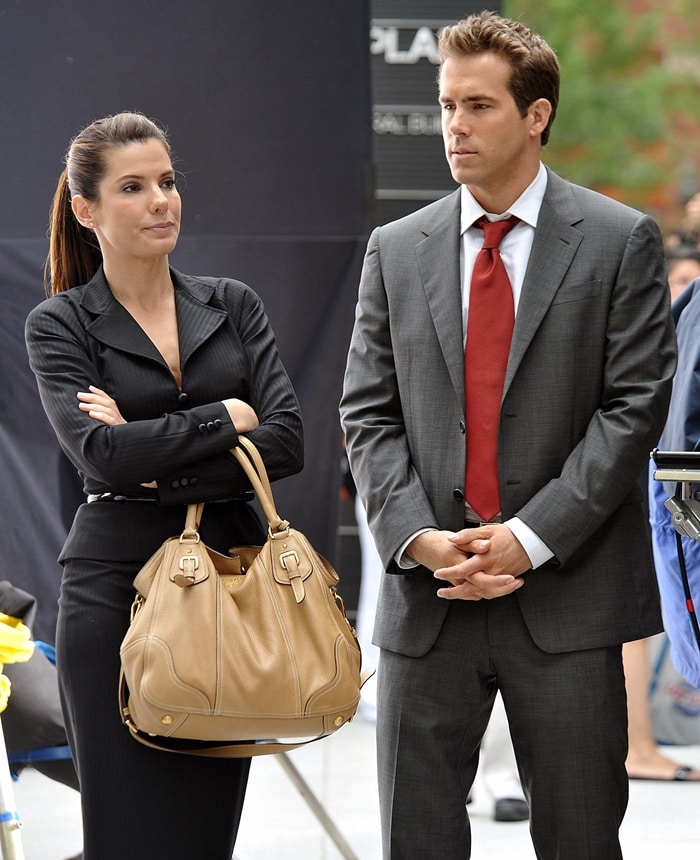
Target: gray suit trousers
567,714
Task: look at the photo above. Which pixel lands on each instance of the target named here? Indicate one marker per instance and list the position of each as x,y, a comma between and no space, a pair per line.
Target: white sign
402,122
385,40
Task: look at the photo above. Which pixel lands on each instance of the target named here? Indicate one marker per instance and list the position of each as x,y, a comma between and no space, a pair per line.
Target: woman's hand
242,415
100,406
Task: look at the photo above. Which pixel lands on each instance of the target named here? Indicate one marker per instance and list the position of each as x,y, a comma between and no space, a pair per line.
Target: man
537,602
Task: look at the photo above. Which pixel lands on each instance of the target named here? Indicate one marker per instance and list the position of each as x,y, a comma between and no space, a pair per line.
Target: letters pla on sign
385,40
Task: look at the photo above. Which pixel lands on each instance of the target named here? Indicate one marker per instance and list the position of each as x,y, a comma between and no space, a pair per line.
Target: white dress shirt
515,253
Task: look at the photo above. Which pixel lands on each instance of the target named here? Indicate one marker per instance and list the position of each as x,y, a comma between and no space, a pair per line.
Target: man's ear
82,211
540,111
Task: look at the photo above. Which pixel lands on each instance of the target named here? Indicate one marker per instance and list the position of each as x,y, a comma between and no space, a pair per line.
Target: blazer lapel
438,256
115,327
555,244
197,319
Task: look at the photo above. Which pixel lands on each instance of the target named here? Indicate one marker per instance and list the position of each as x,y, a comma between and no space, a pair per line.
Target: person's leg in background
372,570
498,770
644,759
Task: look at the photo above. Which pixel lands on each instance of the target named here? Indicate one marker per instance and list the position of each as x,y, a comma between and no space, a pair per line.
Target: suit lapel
114,326
438,256
197,319
554,247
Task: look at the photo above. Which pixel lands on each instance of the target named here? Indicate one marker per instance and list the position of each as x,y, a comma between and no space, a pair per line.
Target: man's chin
463,177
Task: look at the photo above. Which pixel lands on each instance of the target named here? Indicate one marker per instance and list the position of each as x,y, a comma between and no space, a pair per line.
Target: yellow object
16,646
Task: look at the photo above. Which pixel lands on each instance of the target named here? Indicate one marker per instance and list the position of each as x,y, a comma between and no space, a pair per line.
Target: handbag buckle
289,555
290,562
191,562
188,564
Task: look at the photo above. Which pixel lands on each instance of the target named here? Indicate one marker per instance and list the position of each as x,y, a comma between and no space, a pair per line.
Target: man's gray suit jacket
586,393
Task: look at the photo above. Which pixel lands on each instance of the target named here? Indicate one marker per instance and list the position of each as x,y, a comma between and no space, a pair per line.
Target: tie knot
494,231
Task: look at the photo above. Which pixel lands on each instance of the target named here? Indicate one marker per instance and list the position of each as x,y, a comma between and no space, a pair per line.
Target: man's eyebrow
475,98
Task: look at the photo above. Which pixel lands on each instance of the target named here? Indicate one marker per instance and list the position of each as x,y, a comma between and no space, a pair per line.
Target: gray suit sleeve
373,420
638,359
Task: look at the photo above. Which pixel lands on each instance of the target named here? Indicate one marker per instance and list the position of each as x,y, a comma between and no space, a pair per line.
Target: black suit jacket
180,438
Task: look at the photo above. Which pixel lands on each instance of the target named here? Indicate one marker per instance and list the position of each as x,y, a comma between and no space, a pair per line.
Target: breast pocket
577,292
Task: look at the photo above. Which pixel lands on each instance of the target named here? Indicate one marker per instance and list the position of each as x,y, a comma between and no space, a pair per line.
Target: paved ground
278,823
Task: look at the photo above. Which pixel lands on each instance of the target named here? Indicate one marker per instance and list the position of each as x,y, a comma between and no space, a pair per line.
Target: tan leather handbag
238,655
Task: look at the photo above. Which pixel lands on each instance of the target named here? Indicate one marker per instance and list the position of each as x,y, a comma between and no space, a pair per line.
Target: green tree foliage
627,79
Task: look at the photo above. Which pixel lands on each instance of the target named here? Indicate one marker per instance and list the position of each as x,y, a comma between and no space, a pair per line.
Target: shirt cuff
402,558
537,550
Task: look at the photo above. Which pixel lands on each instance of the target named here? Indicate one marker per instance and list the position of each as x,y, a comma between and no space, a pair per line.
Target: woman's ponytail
74,254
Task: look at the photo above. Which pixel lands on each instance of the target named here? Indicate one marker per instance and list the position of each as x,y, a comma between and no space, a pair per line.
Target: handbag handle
252,463
194,516
252,453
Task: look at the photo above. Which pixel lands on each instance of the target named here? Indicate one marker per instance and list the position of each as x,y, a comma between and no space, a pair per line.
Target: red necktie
489,332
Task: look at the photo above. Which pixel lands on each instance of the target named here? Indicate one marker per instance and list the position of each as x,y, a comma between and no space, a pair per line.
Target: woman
147,376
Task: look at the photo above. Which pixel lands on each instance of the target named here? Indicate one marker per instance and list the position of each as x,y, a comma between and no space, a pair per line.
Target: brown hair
74,254
535,69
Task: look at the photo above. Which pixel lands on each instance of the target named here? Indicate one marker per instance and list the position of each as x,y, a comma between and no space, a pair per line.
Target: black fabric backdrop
268,108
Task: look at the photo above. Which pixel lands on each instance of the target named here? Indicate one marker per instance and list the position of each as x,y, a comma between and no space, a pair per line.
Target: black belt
119,497
474,524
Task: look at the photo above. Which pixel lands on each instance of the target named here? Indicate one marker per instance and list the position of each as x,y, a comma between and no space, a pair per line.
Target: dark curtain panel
268,108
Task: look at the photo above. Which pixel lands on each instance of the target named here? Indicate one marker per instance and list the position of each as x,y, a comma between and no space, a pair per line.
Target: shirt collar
526,207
